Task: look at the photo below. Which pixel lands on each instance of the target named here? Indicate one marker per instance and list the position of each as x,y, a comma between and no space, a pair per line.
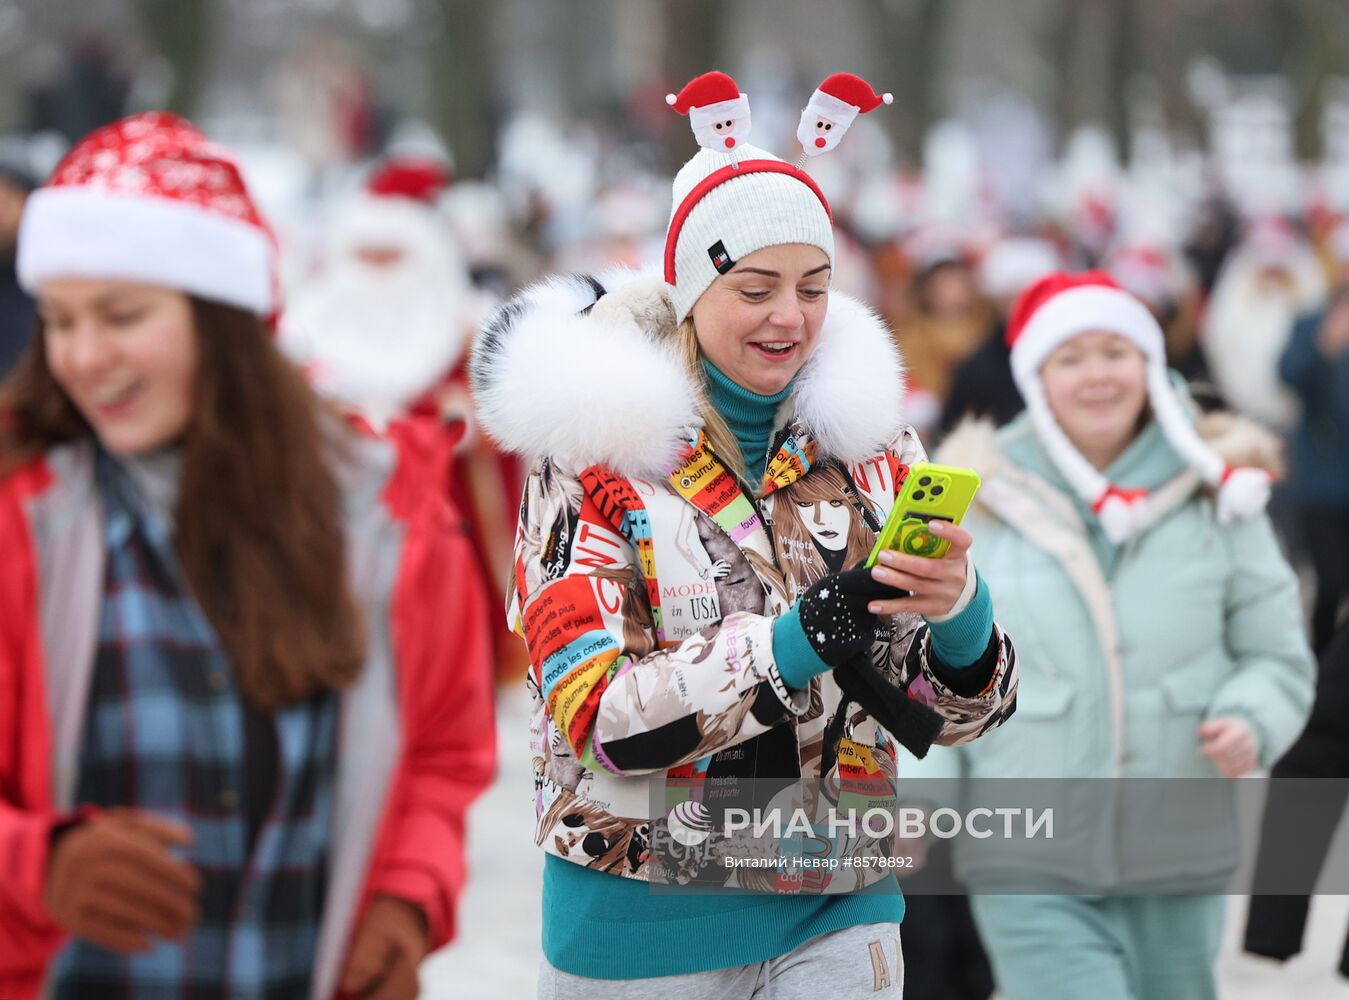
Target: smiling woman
1096,385
125,354
1161,628
183,632
729,439
760,323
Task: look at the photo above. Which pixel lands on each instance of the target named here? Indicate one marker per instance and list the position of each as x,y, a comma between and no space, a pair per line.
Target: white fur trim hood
575,368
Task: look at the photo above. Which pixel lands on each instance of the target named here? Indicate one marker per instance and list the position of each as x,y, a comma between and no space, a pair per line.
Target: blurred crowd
391,264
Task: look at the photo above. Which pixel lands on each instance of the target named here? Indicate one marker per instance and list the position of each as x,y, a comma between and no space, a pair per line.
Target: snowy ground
497,954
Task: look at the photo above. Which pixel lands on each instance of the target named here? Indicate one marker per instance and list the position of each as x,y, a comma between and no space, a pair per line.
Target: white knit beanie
730,204
1057,308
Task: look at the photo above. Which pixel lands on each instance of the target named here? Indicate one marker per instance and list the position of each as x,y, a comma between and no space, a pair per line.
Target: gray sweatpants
852,964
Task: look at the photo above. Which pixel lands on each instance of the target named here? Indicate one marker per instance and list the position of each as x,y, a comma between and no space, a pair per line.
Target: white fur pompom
1244,495
1121,518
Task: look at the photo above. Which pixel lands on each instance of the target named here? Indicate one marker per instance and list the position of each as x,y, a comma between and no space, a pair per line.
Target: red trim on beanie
719,177
1126,493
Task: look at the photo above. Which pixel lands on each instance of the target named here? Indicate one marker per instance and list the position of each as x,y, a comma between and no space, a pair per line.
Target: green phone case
942,492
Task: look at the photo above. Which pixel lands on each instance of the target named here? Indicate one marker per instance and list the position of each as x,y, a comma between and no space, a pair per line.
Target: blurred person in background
1297,835
498,261
17,318
713,453
943,326
944,957
1315,366
1270,279
983,386
385,322
1216,231
1162,638
243,661
384,329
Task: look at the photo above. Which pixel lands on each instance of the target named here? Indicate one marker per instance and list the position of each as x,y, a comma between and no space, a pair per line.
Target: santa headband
710,98
150,199
841,97
1058,308
732,198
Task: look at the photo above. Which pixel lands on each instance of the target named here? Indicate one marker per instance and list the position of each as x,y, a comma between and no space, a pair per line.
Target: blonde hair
718,433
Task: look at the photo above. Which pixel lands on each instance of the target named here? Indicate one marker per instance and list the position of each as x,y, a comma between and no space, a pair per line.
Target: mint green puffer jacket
1125,651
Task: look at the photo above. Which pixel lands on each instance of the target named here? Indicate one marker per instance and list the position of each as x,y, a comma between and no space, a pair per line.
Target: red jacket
417,742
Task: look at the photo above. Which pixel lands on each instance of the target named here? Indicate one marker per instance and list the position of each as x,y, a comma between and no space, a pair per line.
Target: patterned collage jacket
648,576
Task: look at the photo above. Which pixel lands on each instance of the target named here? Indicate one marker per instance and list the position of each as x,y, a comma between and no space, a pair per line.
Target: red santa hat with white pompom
711,98
832,109
844,96
1057,308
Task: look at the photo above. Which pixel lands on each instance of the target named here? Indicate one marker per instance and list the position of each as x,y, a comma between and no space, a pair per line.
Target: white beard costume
378,337
1246,328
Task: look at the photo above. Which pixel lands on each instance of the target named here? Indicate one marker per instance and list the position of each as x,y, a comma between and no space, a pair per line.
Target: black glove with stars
834,616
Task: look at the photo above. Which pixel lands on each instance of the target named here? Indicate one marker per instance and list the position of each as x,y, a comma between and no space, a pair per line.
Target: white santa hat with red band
710,98
844,96
150,199
1057,308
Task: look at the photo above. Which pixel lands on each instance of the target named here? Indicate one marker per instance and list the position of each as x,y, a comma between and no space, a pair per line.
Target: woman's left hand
1230,745
934,585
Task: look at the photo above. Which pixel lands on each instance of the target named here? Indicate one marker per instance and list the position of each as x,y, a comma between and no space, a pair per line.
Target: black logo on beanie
721,260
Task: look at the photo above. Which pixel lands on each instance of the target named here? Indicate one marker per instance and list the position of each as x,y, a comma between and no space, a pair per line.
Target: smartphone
931,492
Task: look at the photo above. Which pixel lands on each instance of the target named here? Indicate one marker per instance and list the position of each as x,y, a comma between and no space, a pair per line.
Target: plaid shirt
165,732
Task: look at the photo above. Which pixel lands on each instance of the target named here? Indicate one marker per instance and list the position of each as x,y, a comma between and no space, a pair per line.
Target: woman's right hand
112,881
834,615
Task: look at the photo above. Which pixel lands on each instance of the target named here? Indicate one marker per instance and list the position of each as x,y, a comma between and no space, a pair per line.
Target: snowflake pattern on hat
158,154
150,199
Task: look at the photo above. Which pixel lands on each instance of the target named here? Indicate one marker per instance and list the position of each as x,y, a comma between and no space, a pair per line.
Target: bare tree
463,107
908,37
179,31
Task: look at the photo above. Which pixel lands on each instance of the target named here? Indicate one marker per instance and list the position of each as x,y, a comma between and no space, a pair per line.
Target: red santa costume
384,328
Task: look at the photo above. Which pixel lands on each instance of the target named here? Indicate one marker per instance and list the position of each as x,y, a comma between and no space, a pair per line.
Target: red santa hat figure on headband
833,107
718,112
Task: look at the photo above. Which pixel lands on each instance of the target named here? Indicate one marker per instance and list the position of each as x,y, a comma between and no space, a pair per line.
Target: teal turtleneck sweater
748,415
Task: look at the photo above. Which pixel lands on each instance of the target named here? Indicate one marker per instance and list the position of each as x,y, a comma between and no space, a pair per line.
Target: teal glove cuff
796,658
961,641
